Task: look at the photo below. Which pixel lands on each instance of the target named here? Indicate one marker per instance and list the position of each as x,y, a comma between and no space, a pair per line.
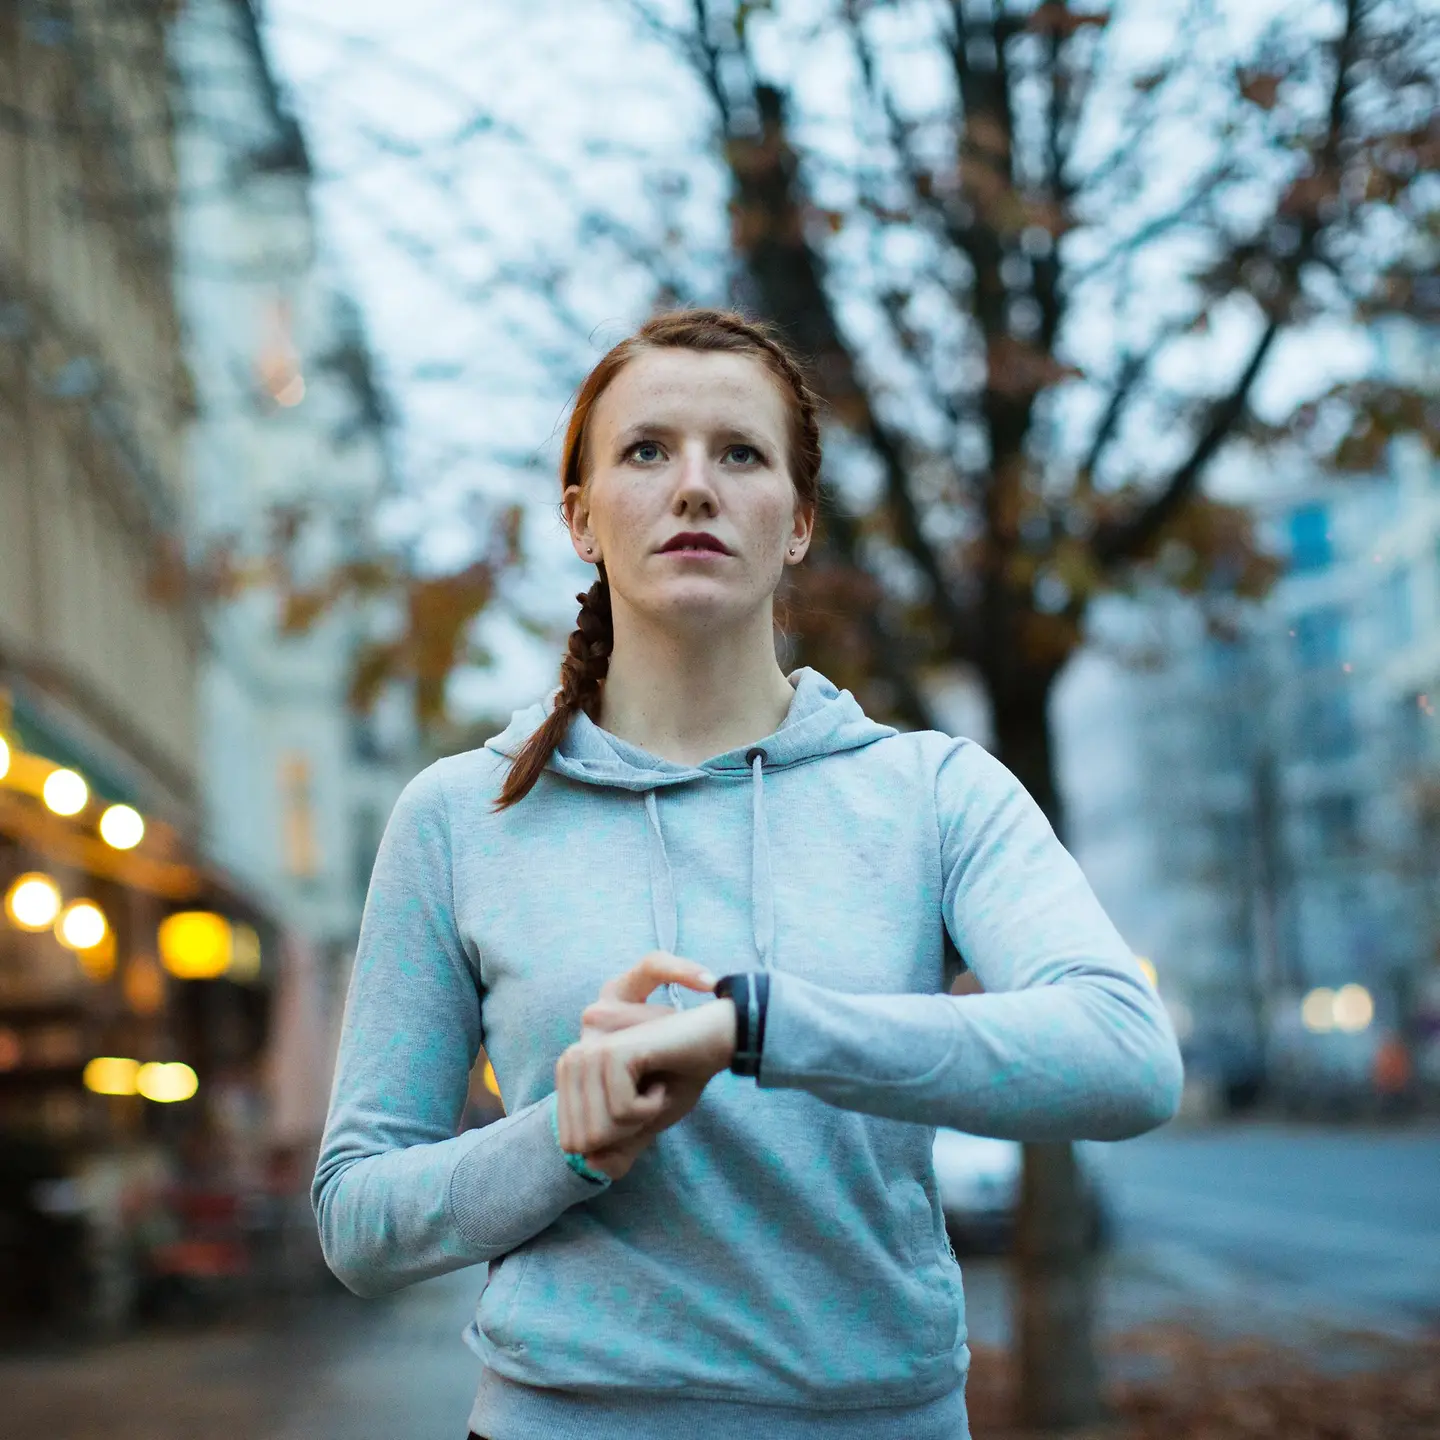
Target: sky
460,150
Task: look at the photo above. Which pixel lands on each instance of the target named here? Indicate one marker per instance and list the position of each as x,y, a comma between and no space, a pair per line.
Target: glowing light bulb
165,1082
81,925
33,902
5,757
65,792
111,1075
196,945
122,828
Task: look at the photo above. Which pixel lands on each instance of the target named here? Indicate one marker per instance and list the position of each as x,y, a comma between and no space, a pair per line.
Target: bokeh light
65,792
166,1082
196,945
1317,1011
111,1075
1353,1009
121,827
81,925
33,902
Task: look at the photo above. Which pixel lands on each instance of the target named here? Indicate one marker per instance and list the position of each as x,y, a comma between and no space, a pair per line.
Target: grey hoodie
778,1259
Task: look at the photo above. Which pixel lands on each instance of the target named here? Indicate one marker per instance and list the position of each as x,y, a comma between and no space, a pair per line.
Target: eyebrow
643,429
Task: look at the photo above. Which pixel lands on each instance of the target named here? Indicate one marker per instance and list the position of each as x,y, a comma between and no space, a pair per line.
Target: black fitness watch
750,990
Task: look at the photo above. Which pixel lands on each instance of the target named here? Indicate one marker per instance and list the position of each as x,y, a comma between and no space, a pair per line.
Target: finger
606,1123
627,1103
607,1016
567,1110
657,968
598,1131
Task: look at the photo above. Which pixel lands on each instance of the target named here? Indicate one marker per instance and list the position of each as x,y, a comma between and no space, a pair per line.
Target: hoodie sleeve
1069,1040
400,1197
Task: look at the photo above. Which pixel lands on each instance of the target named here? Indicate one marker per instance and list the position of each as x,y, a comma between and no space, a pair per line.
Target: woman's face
686,442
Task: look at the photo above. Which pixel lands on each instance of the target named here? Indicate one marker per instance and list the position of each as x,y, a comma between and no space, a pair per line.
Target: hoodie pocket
497,1301
927,1272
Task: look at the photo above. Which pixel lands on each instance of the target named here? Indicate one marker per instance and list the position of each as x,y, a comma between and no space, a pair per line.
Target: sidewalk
334,1368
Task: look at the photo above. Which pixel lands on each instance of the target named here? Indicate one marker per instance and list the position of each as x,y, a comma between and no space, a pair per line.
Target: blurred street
1294,1233
1264,1226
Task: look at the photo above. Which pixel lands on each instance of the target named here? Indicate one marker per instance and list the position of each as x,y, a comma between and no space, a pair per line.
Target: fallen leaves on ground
1173,1383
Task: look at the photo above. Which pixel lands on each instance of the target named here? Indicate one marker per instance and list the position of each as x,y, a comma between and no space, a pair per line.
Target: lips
694,540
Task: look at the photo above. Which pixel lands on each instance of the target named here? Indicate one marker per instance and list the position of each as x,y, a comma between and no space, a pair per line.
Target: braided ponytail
582,674
587,656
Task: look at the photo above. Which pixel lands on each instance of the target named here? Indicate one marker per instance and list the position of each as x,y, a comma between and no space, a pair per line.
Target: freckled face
690,442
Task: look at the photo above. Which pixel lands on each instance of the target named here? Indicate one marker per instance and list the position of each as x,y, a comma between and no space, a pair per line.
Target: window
297,817
1309,538
1326,730
1319,637
1334,824
1234,835
1395,611
368,828
1229,734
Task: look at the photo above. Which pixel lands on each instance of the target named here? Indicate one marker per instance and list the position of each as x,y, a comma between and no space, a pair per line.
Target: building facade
289,437
103,1044
1267,830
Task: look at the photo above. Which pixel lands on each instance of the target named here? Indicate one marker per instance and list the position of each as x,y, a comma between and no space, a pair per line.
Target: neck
687,697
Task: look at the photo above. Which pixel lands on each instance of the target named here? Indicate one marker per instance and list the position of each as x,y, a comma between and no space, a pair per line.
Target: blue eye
748,453
645,451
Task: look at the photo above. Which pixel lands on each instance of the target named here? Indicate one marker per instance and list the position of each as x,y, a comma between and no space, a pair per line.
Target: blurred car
979,1183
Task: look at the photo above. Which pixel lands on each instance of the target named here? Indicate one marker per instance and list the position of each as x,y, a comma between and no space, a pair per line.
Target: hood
821,721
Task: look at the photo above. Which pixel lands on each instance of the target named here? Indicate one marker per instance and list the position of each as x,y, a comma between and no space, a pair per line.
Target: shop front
135,1007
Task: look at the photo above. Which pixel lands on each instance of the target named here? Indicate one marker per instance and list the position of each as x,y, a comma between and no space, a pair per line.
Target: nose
695,486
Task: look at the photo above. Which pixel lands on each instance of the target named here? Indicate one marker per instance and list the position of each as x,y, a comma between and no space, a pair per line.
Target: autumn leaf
1260,87
1056,19
300,609
1015,368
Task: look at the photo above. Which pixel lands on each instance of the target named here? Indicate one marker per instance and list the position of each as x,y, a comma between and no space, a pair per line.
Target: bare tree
966,274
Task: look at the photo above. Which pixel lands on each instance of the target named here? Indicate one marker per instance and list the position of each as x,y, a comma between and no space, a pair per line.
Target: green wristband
574,1160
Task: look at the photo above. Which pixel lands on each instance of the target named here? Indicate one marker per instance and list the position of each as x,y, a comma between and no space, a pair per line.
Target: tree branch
1126,540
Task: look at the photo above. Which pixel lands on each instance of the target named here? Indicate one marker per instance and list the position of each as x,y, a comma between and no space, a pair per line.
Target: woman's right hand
612,1142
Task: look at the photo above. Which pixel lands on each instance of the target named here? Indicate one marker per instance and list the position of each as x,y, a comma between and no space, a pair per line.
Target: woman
706,1214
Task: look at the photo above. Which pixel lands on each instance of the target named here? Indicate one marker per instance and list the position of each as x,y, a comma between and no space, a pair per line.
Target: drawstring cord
762,889
762,884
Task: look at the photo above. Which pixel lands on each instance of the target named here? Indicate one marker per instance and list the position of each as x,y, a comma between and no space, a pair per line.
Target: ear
801,533
577,520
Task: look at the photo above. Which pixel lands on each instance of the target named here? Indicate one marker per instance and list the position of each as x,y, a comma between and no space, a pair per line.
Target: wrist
574,1160
749,995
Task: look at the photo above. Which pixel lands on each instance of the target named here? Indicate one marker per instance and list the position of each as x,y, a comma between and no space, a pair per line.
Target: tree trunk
1054,1265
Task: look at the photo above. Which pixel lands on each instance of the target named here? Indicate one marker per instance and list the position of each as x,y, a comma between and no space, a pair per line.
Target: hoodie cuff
842,1046
514,1181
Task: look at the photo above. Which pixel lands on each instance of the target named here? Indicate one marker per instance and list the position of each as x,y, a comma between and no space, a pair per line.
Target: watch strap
749,990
